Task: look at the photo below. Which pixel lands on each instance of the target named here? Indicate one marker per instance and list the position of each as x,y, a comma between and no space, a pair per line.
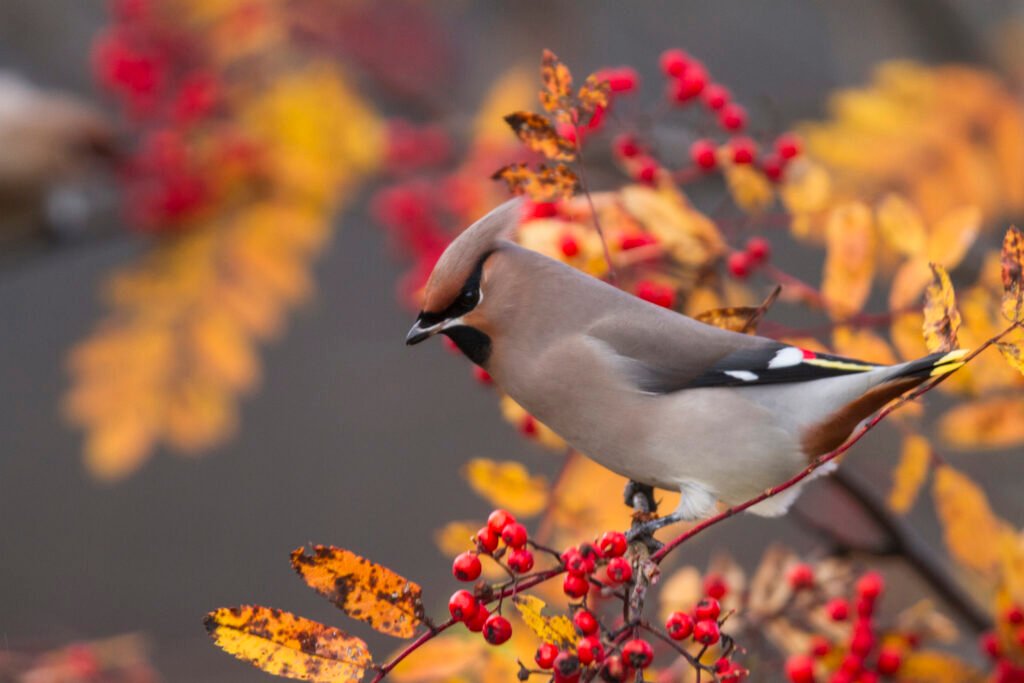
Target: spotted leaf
546,184
558,629
538,134
556,97
941,317
593,95
363,590
1013,274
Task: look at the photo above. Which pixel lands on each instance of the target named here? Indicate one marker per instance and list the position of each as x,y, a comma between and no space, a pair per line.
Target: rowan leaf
932,666
750,188
508,485
910,279
970,528
996,422
941,317
743,319
283,644
546,184
593,95
539,135
952,236
362,589
901,225
1012,262
558,629
849,260
910,473
556,96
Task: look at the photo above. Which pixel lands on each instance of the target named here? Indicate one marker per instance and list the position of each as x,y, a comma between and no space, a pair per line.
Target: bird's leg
640,497
645,530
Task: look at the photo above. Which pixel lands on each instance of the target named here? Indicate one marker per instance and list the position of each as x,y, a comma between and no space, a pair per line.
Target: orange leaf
593,95
850,260
556,97
508,485
901,225
941,317
932,666
1012,260
952,235
543,185
987,423
971,530
744,319
910,473
363,590
862,344
539,135
557,629
283,644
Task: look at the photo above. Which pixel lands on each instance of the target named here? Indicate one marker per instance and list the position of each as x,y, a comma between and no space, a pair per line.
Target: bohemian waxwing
647,392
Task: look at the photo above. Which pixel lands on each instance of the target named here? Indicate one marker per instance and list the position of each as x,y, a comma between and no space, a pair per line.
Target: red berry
863,638
690,84
740,264
614,669
715,96
852,664
706,632
820,646
520,560
800,669
545,656
622,79
497,629
466,567
635,241
708,608
702,153
656,293
620,570
743,150
989,644
889,661
870,585
638,653
865,607
514,535
463,606
569,246
488,539
590,650
679,625
1014,615
715,586
499,519
787,145
837,609
799,576
533,210
674,62
585,622
647,171
612,543
773,167
868,677
575,586
733,117
476,624
626,146
567,667
528,425
579,563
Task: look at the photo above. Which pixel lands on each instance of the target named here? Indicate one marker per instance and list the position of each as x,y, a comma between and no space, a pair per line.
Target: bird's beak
421,331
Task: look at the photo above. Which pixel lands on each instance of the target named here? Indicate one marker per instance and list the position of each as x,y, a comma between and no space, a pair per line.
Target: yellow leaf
986,423
538,134
546,184
512,91
910,280
443,659
850,260
556,97
971,530
750,189
806,187
901,225
953,235
1012,272
508,485
558,629
283,644
362,589
593,95
941,317
862,344
665,213
743,319
932,666
906,335
910,473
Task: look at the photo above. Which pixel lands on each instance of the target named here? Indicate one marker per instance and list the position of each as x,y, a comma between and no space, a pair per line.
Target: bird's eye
468,295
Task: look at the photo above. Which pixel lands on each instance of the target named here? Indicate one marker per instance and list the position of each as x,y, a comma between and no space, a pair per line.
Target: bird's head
455,300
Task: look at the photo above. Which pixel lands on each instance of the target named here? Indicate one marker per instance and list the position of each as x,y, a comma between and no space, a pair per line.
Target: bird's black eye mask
468,298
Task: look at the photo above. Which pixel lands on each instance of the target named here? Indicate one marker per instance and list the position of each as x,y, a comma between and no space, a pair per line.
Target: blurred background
346,436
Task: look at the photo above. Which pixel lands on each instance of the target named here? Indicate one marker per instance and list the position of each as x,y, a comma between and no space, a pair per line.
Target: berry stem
593,210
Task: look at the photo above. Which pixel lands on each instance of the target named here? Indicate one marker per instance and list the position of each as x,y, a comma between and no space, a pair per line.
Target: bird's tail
932,365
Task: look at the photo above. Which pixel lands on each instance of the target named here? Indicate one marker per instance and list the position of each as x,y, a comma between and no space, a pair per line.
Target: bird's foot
640,497
643,531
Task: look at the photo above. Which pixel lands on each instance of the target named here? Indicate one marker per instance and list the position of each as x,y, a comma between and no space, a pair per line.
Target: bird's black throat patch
471,341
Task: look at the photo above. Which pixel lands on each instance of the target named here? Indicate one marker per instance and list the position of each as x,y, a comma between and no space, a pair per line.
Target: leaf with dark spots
286,645
539,135
556,97
1013,274
362,589
543,185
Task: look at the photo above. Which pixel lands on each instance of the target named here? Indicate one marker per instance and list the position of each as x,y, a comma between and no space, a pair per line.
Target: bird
647,392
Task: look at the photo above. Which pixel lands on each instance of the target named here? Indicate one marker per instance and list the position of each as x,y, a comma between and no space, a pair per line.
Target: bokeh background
352,439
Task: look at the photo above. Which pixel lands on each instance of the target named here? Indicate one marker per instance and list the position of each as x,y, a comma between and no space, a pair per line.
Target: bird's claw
640,497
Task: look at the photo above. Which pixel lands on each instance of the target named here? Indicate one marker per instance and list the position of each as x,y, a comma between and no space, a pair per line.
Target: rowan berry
466,567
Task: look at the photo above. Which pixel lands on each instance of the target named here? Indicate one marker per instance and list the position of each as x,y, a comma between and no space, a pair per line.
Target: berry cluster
1007,670
742,264
863,657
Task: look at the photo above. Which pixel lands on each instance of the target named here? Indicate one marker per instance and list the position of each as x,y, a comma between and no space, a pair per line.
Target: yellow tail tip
950,362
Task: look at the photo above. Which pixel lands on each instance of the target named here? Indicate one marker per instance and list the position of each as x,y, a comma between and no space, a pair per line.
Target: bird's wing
662,355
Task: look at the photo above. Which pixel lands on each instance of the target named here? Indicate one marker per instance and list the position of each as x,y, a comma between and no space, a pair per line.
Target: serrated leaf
941,317
970,528
1012,273
556,97
543,185
283,644
508,485
364,590
850,259
538,134
986,423
558,629
910,473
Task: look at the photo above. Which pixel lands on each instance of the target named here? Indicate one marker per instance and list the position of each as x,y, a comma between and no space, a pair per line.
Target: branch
827,457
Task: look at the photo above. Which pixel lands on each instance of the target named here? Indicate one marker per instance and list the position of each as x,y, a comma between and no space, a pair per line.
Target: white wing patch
744,375
786,358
